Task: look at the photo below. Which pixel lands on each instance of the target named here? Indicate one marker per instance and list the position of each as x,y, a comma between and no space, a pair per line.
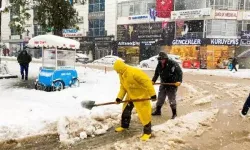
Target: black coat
234,62
24,58
171,73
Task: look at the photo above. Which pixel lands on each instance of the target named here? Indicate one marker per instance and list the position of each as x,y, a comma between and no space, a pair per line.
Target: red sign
164,8
224,14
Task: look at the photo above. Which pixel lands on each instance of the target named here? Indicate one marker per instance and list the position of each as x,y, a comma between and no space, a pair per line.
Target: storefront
129,51
219,51
204,53
143,39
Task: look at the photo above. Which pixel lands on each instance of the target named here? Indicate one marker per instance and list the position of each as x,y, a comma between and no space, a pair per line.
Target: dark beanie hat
162,55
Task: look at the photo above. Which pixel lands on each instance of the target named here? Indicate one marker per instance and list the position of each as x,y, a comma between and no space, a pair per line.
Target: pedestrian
234,63
24,59
135,84
246,107
169,72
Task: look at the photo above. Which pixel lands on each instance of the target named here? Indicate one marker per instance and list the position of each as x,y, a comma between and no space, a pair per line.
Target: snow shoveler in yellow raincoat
135,84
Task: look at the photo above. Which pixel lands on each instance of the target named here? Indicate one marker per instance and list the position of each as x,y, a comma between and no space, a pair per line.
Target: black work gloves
153,98
118,100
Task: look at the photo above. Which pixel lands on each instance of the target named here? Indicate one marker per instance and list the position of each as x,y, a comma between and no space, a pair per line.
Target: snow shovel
174,84
90,104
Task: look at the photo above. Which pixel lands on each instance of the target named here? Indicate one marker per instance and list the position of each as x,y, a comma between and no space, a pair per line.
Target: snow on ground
27,112
170,134
242,73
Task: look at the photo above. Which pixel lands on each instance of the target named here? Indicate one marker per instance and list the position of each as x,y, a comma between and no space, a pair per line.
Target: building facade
96,31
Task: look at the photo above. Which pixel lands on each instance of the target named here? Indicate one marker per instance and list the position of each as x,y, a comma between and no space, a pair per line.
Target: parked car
153,61
107,60
82,58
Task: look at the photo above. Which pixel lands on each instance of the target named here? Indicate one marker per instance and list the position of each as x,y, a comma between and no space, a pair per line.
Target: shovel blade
88,104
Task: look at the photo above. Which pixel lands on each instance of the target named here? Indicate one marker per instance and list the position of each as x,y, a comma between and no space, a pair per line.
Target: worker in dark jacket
169,72
24,59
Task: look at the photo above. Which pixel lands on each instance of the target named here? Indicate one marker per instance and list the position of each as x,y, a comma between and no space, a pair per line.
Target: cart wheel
58,85
75,83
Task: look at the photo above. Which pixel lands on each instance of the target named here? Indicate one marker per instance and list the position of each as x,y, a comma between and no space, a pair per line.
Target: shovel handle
174,84
131,100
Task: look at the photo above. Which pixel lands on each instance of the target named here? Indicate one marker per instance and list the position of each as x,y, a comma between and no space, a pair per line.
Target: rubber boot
22,77
157,111
174,113
145,137
119,129
26,78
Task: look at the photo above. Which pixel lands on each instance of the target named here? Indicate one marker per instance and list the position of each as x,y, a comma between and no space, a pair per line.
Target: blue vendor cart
58,62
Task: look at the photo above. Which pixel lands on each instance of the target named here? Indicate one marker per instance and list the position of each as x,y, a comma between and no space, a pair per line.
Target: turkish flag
164,8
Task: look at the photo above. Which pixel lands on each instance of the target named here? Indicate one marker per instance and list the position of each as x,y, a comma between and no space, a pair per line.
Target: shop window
130,8
247,4
189,4
96,5
97,27
226,4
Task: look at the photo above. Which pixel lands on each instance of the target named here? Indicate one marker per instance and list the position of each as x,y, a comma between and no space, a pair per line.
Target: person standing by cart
169,72
24,59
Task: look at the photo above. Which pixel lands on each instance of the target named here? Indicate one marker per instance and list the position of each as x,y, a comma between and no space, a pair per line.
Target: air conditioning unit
80,19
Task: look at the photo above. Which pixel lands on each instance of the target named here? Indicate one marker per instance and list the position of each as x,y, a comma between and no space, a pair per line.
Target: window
14,13
247,4
38,30
189,4
222,28
97,27
227,4
96,5
130,8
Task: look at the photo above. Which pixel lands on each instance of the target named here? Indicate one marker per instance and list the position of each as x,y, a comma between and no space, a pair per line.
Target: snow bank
170,134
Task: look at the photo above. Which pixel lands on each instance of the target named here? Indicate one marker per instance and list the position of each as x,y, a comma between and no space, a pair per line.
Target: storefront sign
245,42
139,17
190,14
187,42
139,32
71,33
246,15
223,42
129,44
96,15
224,14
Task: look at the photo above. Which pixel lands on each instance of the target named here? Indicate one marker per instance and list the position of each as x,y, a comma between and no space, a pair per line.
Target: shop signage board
96,15
129,43
139,32
245,42
138,17
219,41
71,33
187,42
190,14
224,14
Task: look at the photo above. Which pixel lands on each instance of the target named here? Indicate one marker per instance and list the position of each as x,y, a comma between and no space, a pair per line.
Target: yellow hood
120,67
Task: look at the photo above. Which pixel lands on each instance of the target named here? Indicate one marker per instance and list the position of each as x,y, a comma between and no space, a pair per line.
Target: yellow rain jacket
137,85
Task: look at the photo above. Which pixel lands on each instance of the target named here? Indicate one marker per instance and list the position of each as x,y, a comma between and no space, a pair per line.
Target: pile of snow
170,134
27,112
